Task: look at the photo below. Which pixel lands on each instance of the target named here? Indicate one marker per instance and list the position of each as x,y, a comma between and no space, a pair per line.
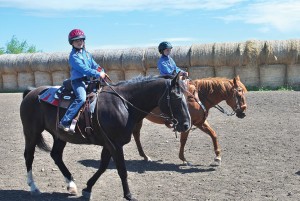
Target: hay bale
227,54
293,75
225,71
58,77
252,52
199,72
272,75
112,60
280,52
10,81
25,80
249,74
152,71
133,59
42,78
181,56
129,74
116,75
98,56
6,63
151,57
40,62
22,62
1,82
201,55
59,61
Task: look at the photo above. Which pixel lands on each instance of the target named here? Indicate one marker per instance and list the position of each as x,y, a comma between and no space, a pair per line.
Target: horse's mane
216,83
140,79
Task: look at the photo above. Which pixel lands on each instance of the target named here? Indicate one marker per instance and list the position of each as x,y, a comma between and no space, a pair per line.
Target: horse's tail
42,144
26,91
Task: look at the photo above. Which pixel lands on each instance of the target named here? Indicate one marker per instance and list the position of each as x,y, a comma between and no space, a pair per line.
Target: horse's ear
175,80
235,80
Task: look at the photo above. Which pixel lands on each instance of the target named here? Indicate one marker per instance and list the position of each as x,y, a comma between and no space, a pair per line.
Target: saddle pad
48,96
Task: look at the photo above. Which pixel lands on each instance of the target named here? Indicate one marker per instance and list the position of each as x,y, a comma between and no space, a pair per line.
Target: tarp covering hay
112,60
151,57
293,75
181,56
58,61
25,80
272,75
9,81
198,72
42,78
202,55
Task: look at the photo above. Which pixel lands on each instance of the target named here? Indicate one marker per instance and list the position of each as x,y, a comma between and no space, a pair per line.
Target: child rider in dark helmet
166,64
82,68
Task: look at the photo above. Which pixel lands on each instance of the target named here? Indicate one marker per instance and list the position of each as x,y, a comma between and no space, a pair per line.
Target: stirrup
72,126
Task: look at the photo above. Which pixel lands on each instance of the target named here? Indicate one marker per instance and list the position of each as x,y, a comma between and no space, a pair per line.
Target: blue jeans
80,93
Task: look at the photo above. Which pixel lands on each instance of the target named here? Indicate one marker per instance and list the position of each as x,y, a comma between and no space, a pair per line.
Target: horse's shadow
142,166
16,195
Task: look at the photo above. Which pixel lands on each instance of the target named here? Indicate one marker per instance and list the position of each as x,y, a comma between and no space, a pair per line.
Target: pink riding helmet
76,34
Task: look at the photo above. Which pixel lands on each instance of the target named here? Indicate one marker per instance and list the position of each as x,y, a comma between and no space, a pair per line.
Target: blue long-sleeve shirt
82,64
166,66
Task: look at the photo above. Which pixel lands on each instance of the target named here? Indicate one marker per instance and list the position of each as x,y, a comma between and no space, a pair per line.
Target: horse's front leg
208,129
105,158
183,139
56,154
137,138
122,171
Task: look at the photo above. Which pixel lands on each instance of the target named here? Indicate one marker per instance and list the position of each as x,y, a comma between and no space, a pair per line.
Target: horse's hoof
35,192
147,158
129,197
87,194
217,162
187,163
72,190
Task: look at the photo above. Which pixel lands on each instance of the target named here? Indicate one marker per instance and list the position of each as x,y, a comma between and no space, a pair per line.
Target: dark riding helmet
76,34
164,45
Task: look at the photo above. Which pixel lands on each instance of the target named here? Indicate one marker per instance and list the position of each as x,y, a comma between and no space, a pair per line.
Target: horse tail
42,144
26,91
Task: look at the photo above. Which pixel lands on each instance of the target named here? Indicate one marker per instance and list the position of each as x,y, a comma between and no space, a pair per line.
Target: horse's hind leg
29,156
56,154
137,138
205,127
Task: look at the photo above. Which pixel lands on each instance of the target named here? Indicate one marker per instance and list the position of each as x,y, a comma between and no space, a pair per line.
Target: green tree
14,46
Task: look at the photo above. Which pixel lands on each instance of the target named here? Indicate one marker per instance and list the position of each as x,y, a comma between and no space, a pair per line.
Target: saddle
66,96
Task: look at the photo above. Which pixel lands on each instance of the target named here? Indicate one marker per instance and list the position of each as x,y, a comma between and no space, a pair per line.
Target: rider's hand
102,75
185,74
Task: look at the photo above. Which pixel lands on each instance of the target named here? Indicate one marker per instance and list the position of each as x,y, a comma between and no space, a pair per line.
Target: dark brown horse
118,109
210,91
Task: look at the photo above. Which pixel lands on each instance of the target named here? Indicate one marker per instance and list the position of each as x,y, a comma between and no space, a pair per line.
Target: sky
114,24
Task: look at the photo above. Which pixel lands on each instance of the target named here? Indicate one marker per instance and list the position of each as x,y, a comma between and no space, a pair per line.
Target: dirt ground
260,158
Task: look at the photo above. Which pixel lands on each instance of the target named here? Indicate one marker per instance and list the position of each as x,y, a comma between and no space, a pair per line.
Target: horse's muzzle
240,114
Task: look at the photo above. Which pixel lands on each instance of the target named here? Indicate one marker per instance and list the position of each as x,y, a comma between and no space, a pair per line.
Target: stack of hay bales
133,62
201,61
9,74
59,67
112,63
150,62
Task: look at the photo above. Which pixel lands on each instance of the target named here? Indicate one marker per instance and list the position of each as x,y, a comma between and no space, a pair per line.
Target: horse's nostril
186,126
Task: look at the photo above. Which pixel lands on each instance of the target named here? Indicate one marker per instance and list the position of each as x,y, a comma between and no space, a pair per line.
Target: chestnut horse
210,91
118,109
